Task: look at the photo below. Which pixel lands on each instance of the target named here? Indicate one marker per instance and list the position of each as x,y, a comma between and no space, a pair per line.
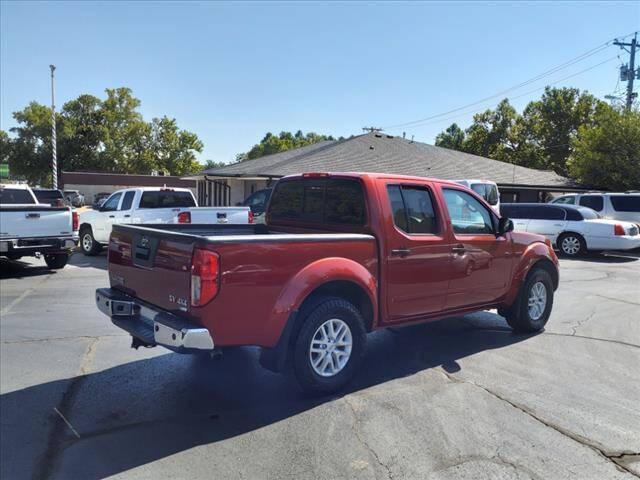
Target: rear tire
572,245
329,346
532,308
88,243
56,261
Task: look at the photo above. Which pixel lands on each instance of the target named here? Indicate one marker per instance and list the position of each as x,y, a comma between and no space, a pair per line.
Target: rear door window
595,202
625,203
166,199
412,209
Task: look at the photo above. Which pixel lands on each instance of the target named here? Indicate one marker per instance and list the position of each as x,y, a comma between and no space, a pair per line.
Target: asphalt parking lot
459,398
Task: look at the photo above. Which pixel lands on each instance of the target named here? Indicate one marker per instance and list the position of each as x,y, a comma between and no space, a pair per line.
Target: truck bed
258,266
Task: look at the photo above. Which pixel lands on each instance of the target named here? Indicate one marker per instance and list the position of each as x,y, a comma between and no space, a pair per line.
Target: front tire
56,261
329,346
532,308
88,243
572,245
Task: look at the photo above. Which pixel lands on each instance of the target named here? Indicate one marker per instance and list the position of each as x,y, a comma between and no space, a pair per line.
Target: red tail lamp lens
205,269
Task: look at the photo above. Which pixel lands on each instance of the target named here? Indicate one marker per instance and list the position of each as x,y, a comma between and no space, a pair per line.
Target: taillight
184,217
205,269
618,229
74,221
251,217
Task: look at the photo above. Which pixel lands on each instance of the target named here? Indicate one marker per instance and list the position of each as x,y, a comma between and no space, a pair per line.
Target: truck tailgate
151,266
32,221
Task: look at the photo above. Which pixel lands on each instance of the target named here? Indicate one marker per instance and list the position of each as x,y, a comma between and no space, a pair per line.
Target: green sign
4,170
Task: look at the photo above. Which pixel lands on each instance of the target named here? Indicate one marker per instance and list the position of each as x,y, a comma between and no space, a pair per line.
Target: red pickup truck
340,255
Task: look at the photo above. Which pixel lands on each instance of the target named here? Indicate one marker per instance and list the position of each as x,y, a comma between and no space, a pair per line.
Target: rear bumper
30,246
620,242
150,325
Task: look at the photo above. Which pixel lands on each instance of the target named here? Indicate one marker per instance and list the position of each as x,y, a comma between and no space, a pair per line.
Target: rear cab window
166,199
319,202
16,196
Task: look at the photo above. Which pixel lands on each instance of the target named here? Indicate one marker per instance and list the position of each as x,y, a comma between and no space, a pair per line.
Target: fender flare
284,314
533,254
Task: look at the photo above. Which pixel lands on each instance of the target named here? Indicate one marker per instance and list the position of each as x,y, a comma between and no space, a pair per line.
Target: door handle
402,252
112,216
459,249
127,216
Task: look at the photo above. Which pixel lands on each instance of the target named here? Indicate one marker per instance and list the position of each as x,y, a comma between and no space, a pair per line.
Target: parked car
617,206
574,230
74,198
150,205
340,255
486,189
99,199
50,196
257,202
29,228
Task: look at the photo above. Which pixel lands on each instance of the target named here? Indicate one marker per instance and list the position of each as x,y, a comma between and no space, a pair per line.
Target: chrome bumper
150,325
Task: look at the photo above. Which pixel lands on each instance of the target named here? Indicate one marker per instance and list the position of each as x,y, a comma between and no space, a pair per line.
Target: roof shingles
384,154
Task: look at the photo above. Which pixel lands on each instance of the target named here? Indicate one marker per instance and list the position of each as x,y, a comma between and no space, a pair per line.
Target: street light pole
54,160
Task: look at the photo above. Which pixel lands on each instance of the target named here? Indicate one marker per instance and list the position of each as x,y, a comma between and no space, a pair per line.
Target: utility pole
628,72
54,159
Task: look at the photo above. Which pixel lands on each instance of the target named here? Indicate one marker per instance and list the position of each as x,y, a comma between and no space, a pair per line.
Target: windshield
47,195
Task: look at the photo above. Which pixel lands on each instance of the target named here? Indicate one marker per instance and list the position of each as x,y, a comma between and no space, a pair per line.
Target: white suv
616,206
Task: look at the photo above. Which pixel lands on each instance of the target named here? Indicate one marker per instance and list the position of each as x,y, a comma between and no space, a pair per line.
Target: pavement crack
54,339
614,458
46,465
582,322
363,442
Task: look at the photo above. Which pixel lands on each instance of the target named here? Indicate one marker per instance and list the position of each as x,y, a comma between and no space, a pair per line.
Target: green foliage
606,153
280,143
453,137
99,135
541,137
210,164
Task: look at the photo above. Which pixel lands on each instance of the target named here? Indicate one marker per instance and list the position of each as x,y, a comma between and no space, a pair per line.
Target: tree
211,164
606,153
271,144
107,135
453,137
553,122
491,134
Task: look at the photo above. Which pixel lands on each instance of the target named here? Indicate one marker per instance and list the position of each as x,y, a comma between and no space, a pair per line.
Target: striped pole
54,161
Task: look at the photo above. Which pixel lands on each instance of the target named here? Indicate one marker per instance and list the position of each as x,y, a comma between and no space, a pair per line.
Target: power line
540,76
475,110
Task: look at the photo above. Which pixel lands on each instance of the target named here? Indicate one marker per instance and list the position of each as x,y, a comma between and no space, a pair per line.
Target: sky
230,72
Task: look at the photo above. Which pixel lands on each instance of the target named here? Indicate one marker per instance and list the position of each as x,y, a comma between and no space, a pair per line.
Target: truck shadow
18,269
78,259
136,413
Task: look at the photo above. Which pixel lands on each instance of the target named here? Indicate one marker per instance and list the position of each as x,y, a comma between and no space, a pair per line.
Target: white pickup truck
29,228
151,205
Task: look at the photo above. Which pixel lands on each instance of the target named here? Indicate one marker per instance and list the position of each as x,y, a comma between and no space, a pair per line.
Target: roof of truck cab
374,176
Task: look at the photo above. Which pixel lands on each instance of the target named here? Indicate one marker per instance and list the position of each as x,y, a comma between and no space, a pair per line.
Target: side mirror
505,225
238,204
